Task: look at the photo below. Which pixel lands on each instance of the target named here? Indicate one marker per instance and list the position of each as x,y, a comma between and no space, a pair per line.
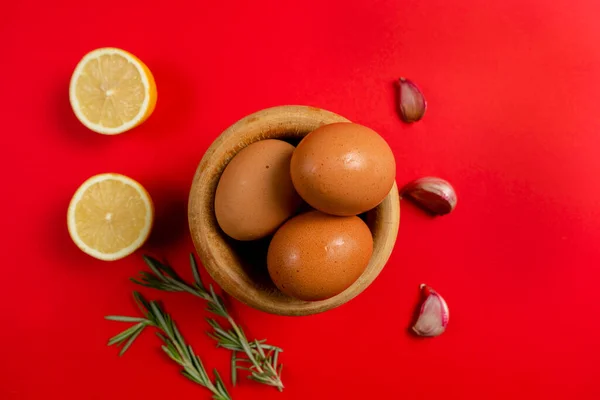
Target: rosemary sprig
174,344
261,359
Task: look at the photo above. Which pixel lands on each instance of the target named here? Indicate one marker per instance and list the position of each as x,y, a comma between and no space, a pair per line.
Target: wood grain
240,267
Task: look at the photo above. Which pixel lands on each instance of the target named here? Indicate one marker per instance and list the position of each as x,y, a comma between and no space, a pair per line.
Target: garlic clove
411,102
434,195
434,314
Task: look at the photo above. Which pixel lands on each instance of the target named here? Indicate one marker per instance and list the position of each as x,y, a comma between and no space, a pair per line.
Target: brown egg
255,194
315,256
343,169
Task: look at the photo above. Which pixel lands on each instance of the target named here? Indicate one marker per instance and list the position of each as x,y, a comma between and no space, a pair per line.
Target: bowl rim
208,238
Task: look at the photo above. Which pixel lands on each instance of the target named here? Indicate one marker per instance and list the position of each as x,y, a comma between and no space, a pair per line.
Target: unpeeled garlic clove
435,195
411,102
434,314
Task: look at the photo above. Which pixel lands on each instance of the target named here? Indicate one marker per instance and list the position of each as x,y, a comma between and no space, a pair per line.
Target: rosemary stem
244,343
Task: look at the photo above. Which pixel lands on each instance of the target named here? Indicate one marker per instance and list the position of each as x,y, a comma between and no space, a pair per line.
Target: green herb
261,359
174,344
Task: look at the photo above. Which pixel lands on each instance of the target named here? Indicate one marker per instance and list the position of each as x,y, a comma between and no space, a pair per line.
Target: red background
512,88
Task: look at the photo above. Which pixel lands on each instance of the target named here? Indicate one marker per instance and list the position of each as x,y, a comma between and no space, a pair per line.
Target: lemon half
110,216
112,91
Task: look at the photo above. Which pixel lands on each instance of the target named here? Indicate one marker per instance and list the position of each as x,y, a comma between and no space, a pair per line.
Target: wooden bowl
240,267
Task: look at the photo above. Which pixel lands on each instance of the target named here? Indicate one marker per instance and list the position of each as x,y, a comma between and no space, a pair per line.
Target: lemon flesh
112,91
110,216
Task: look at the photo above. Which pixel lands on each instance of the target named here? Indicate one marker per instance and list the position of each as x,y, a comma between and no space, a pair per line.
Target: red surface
513,92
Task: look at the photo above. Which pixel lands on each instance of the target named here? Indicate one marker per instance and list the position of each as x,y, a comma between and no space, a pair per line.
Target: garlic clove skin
432,194
411,102
433,316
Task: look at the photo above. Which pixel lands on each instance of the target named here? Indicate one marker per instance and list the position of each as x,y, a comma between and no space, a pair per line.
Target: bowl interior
240,267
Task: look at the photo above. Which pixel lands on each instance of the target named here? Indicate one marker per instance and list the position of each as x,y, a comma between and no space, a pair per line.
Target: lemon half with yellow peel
112,91
110,216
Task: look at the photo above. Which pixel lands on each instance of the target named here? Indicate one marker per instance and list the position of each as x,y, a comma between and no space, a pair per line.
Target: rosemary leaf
196,273
223,334
120,318
192,377
171,354
260,349
268,347
142,303
162,324
121,337
131,340
219,383
172,350
153,265
233,368
275,356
